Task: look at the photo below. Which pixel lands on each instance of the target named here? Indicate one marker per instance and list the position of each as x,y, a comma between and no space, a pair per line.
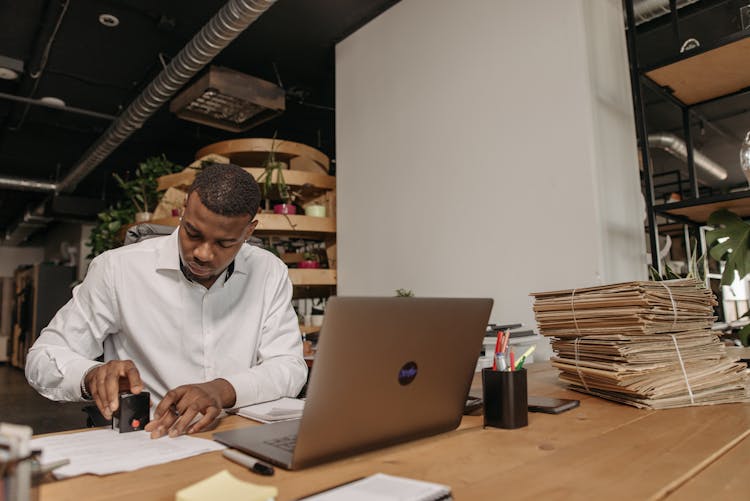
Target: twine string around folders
684,372
674,305
676,346
578,338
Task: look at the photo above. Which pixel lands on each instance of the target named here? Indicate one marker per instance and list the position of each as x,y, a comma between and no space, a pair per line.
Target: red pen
512,362
506,339
497,347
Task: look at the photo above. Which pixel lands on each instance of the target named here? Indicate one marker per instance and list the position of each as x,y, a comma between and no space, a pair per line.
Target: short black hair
227,189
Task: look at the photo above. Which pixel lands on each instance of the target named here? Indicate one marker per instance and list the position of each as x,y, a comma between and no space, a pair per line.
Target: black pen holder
505,398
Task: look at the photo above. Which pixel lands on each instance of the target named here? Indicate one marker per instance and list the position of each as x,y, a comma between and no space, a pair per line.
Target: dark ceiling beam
69,109
226,25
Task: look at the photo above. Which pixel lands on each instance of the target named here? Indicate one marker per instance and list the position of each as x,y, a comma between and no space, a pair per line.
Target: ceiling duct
226,25
676,147
14,183
229,100
646,10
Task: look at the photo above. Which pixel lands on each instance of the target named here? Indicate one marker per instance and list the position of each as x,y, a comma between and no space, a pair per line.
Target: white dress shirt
136,304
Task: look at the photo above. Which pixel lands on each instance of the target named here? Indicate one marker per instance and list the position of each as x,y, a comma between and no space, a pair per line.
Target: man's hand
105,382
181,406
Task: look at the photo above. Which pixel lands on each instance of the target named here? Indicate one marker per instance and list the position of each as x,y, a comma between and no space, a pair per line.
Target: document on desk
282,409
105,451
382,487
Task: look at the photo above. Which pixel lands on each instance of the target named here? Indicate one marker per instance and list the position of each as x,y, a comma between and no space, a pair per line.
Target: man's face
209,241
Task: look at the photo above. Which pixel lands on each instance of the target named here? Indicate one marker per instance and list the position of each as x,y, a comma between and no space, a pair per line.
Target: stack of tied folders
646,344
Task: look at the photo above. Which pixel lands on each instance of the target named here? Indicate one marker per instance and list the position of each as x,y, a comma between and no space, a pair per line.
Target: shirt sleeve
281,370
67,347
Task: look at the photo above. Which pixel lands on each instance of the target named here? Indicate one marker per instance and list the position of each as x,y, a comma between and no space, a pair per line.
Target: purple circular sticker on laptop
407,373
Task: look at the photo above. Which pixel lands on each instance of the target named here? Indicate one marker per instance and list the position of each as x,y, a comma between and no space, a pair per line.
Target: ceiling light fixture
109,20
53,101
8,74
229,100
10,68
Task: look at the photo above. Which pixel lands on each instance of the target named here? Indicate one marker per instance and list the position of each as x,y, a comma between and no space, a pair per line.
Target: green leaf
744,335
655,277
734,250
671,275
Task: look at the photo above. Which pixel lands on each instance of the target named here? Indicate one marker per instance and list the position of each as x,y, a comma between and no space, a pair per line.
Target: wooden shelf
296,225
708,75
309,329
698,210
252,152
278,224
293,178
312,276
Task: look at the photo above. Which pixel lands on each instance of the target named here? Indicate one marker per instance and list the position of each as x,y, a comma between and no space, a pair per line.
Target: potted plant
309,260
106,234
141,196
276,188
142,189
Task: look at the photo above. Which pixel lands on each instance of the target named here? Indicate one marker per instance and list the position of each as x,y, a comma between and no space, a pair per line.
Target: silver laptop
387,370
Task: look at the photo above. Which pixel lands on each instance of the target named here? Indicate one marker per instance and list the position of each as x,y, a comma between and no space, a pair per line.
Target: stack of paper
647,344
282,409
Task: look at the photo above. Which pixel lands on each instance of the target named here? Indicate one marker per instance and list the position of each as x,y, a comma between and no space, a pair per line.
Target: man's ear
250,228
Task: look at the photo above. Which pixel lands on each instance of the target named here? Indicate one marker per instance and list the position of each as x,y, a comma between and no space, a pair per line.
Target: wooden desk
596,451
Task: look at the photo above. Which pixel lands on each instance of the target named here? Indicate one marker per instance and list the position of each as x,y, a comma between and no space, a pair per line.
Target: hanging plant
274,167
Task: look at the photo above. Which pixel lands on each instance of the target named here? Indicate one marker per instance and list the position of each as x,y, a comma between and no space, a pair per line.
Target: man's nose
203,252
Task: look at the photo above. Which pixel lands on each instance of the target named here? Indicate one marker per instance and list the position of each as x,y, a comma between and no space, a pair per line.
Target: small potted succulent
309,260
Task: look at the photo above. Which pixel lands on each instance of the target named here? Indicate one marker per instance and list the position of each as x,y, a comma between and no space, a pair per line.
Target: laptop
387,370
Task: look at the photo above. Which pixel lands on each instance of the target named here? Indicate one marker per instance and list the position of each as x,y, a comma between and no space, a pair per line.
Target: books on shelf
646,344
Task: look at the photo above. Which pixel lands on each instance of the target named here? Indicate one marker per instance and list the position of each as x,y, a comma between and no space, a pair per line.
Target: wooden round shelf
293,178
252,152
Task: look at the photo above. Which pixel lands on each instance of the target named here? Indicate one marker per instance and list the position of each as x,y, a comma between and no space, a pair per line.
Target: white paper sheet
106,451
282,409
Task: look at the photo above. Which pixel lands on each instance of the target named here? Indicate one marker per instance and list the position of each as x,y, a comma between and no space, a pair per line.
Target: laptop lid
388,370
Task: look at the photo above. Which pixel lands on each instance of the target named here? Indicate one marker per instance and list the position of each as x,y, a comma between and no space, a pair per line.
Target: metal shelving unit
699,76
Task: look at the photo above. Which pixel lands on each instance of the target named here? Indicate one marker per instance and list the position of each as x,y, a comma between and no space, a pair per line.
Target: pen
526,353
500,362
248,462
512,361
497,349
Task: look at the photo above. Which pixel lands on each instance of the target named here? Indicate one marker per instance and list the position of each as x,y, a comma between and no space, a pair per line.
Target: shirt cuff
74,376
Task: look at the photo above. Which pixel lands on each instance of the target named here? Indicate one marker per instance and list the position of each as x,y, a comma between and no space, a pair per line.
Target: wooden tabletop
600,450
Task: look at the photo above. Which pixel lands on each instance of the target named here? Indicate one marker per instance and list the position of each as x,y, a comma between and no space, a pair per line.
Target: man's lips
197,270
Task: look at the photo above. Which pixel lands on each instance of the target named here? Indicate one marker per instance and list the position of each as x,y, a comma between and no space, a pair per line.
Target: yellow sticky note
226,487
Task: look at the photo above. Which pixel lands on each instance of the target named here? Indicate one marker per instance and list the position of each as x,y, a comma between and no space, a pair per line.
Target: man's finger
210,415
134,378
112,390
166,403
181,423
100,395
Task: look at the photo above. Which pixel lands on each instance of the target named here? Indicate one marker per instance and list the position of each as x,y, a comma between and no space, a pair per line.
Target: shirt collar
169,257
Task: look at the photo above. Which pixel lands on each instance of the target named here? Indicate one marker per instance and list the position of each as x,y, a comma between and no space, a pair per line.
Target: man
198,318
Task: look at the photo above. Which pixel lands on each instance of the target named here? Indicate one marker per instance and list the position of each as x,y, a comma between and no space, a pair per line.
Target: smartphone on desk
551,405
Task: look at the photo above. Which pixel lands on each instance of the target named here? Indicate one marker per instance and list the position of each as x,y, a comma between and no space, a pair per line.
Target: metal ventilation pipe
226,25
15,183
646,10
676,147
